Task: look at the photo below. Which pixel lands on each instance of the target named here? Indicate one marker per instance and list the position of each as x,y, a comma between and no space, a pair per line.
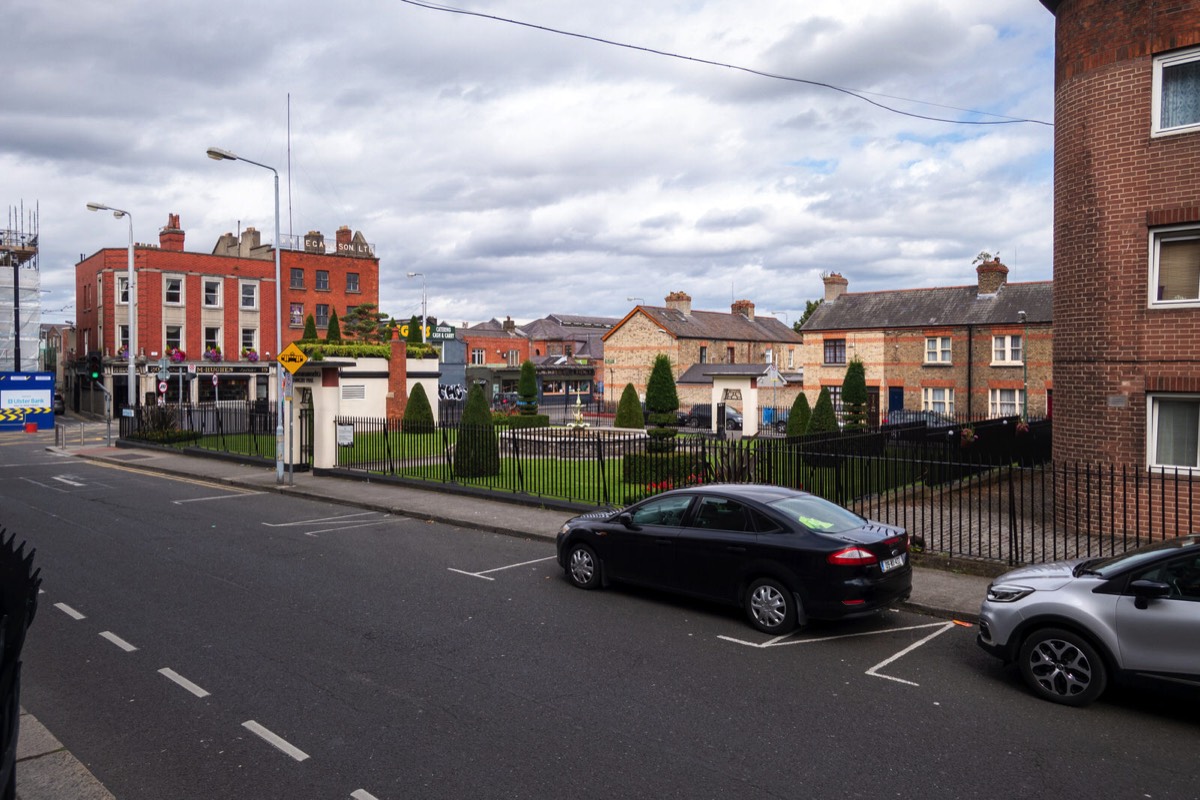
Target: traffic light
94,368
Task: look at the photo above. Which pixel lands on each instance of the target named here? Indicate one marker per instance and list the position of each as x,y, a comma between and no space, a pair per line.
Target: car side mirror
1144,591
626,519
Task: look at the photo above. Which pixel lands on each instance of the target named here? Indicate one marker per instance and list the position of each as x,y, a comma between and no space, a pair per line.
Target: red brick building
215,311
1127,232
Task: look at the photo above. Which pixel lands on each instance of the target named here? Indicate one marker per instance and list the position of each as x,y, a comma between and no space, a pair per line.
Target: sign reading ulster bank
292,358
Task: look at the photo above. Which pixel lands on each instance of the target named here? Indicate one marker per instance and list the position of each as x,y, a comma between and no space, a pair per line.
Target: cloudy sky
526,171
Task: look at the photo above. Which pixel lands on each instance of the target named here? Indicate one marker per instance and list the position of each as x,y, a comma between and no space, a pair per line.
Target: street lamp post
424,311
217,154
131,398
1024,365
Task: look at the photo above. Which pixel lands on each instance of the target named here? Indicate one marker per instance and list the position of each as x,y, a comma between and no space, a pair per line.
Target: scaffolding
20,291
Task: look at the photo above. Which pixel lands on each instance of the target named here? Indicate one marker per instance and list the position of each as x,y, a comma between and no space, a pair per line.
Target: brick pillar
397,397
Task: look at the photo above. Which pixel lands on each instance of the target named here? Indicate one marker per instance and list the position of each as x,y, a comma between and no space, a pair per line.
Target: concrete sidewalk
46,771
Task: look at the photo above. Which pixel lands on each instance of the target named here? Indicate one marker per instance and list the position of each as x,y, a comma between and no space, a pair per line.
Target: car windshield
818,515
1105,567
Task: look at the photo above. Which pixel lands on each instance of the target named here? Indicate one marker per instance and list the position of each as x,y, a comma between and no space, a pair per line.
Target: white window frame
1152,422
1157,237
296,319
478,356
250,339
1162,62
168,282
122,336
122,290
1012,356
930,400
996,403
940,351
167,345
207,282
769,355
250,288
791,358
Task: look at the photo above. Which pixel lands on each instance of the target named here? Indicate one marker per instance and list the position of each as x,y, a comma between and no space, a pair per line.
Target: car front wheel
1060,666
770,607
583,568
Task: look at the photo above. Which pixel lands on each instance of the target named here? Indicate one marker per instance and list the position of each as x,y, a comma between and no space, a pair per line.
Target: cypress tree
527,390
662,402
333,334
629,410
477,453
854,395
799,416
824,419
414,330
418,414
310,329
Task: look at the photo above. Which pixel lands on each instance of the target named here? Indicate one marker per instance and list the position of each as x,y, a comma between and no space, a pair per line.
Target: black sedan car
783,555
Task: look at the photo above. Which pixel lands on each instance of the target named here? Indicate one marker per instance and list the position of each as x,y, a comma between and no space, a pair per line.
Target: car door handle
733,548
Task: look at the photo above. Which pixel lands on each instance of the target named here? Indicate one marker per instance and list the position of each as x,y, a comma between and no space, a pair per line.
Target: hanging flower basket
176,355
213,354
968,436
250,355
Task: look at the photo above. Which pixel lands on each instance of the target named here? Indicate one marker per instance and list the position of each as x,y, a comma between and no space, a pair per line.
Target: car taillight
896,541
852,557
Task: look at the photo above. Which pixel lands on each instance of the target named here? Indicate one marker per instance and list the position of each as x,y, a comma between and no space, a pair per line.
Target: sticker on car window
819,524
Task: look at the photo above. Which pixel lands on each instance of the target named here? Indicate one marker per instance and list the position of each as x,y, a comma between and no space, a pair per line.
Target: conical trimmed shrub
477,453
629,410
418,414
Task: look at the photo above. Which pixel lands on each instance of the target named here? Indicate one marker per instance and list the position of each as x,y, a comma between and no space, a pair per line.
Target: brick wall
1113,182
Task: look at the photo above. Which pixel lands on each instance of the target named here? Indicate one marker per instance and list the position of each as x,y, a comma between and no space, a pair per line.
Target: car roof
760,492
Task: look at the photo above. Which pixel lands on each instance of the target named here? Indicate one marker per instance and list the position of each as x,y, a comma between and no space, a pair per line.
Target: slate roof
950,306
716,325
703,373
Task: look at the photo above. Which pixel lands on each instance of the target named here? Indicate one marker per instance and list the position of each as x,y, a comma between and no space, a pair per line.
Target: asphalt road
196,641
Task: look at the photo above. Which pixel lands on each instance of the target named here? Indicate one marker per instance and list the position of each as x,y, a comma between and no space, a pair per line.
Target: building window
1006,350
1175,265
122,291
212,338
703,354
791,357
729,355
477,356
297,281
514,358
835,397
352,282
173,291
1004,402
249,295
122,337
323,280
212,294
296,315
250,339
322,319
769,355
1176,85
937,350
835,351
938,399
1174,436
173,338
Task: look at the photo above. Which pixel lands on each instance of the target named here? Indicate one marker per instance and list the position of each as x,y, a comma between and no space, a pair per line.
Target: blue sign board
26,398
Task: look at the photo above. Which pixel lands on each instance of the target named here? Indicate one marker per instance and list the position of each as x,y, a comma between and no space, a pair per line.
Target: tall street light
424,313
217,154
131,399
1024,365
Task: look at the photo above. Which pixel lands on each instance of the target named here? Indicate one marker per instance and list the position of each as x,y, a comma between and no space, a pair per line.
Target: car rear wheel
1060,666
770,607
583,568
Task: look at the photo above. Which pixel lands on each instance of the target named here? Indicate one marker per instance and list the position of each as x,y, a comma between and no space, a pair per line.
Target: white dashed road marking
274,740
363,794
70,612
171,674
118,641
483,574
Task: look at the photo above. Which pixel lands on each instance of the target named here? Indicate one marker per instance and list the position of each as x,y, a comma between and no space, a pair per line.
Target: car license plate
892,563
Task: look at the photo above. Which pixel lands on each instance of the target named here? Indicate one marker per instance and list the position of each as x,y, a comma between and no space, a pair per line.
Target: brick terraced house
200,303
970,351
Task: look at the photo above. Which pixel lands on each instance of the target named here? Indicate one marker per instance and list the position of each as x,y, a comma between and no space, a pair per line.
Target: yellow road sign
292,358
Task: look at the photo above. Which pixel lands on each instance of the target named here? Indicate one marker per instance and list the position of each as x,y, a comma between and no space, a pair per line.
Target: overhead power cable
860,95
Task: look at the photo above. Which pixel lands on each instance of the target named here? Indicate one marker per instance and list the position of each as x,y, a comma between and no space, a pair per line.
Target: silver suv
1071,625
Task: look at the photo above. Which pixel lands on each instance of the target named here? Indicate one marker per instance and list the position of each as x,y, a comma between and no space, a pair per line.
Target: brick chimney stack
835,286
992,275
509,325
344,238
171,236
680,302
743,307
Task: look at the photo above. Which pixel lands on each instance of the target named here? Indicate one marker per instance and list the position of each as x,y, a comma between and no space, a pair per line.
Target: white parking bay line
272,739
172,675
118,641
874,671
778,641
70,612
483,573
363,794
215,497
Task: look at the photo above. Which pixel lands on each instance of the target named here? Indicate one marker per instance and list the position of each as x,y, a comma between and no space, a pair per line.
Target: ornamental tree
854,395
799,416
824,419
527,390
629,410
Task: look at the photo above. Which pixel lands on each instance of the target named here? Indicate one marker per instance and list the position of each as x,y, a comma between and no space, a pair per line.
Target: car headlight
564,529
1007,592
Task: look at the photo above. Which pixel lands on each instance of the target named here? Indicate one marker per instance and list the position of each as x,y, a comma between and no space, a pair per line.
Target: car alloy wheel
770,607
1060,666
583,568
